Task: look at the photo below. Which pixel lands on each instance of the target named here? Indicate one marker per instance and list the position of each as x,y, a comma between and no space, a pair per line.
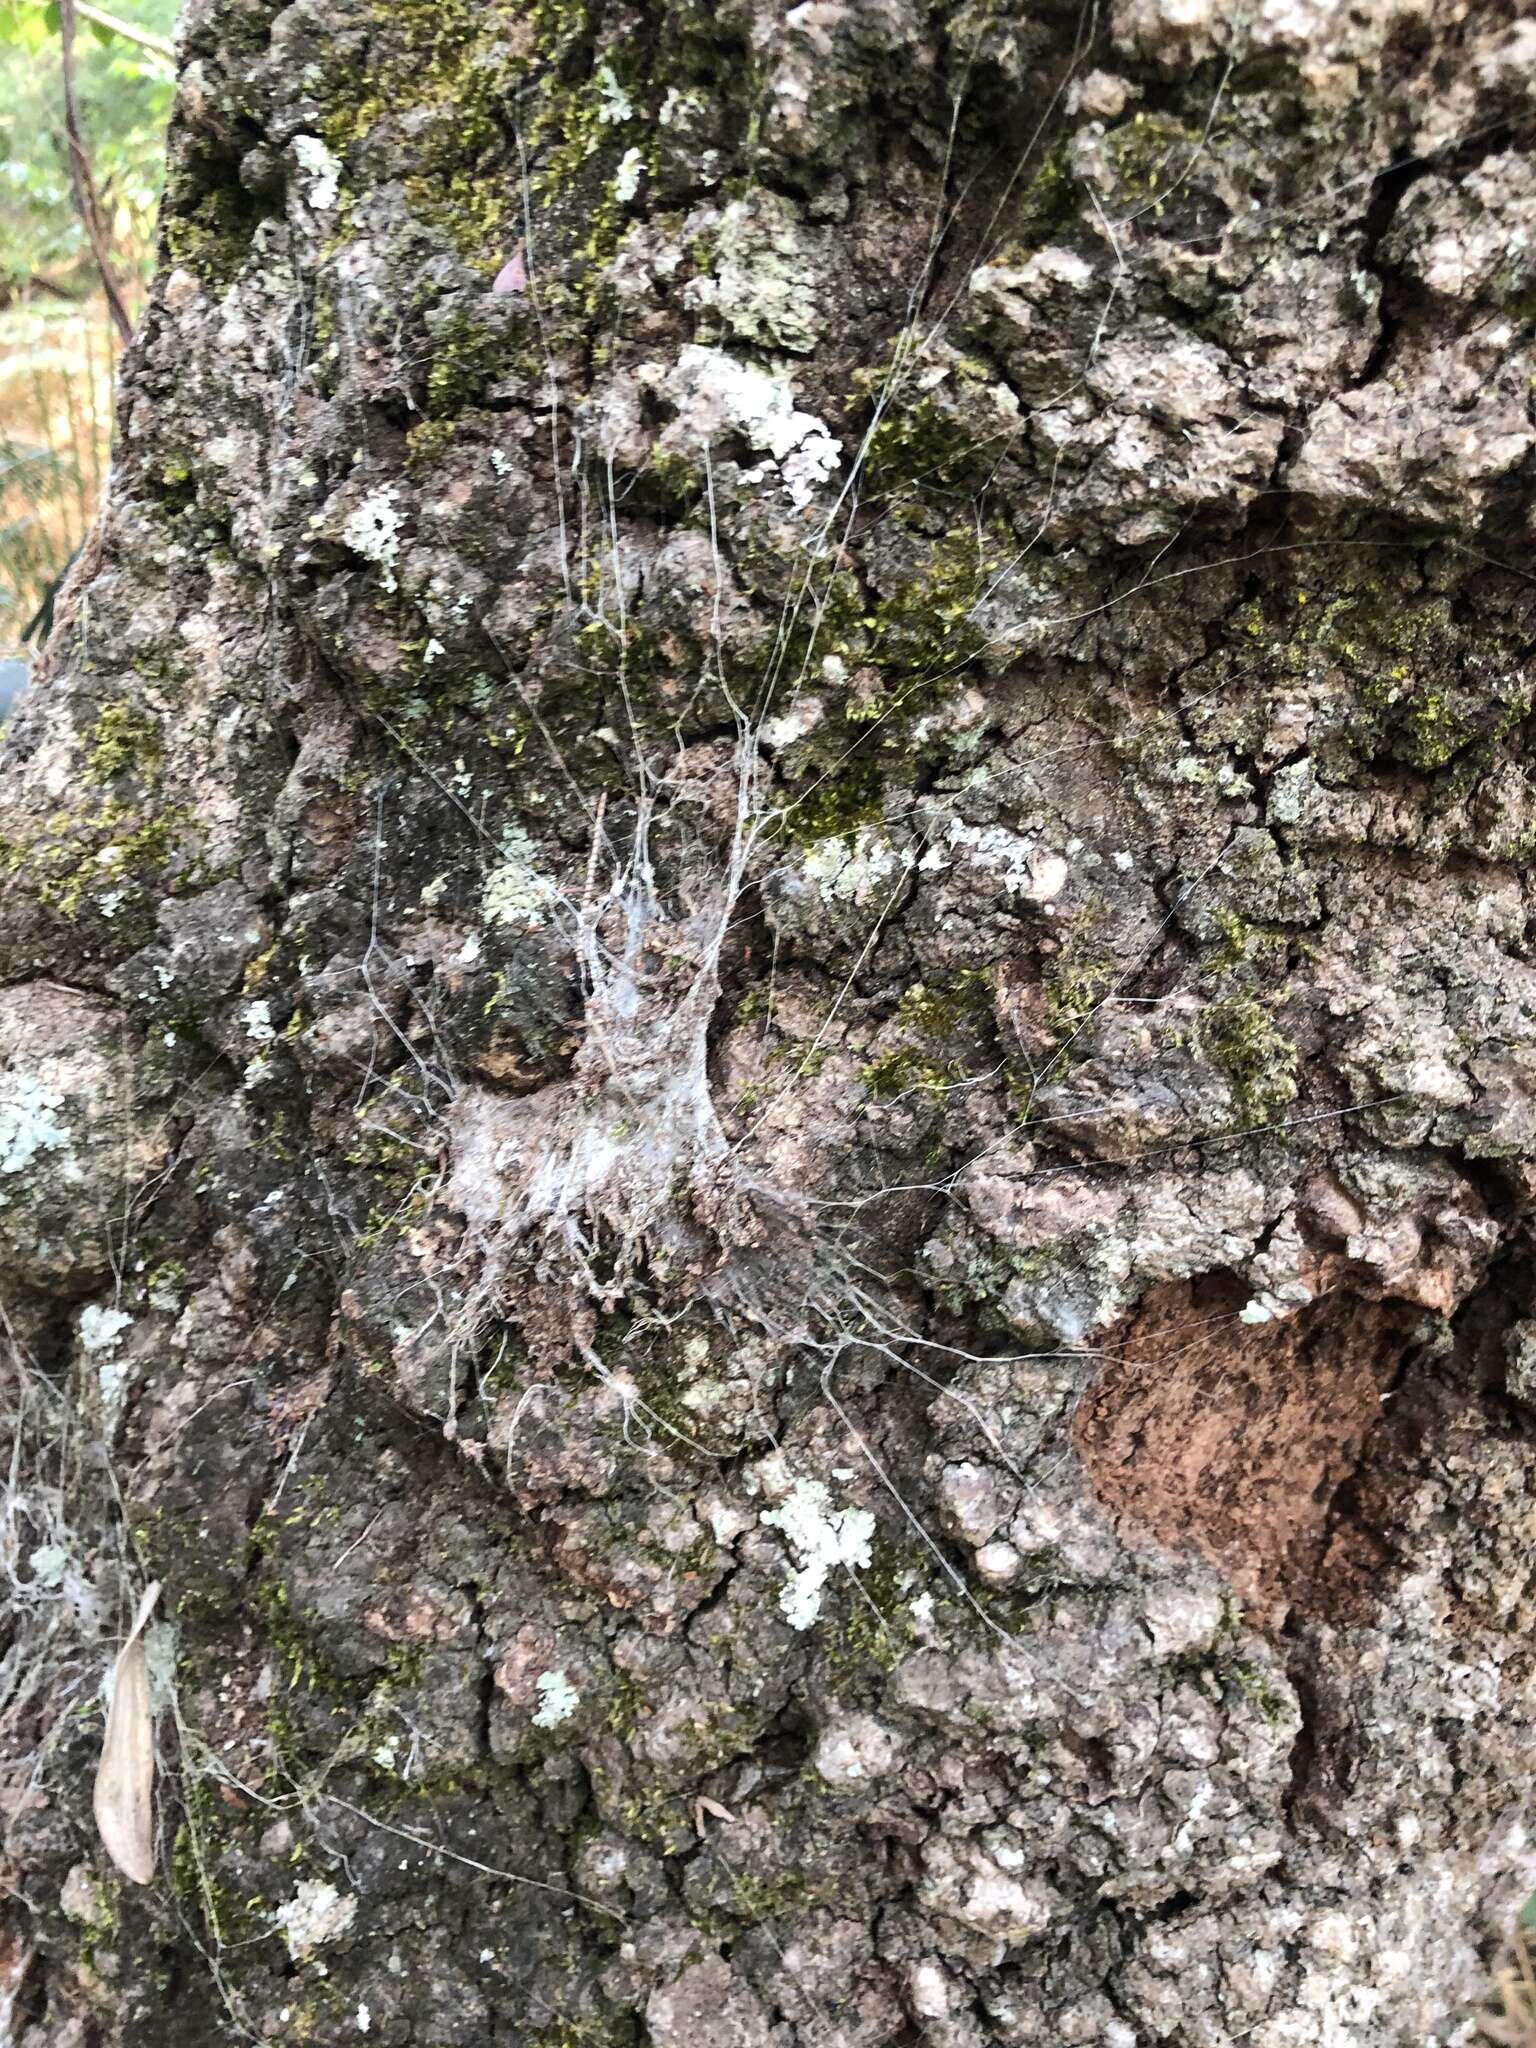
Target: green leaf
23,25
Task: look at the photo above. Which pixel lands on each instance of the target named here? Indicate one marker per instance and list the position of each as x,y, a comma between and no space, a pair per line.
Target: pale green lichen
854,869
515,893
101,1332
760,287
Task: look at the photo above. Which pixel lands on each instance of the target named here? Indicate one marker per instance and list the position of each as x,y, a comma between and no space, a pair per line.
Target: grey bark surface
768,1048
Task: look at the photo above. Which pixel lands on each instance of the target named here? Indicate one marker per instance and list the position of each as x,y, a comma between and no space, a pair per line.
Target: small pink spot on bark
512,276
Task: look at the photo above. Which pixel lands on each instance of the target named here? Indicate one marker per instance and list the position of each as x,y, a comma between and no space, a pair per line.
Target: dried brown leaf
125,1777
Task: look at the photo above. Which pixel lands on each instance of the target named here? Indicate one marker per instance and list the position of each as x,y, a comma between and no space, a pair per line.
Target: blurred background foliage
58,347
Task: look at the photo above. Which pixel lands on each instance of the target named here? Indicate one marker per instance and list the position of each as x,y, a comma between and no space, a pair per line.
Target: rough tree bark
769,1039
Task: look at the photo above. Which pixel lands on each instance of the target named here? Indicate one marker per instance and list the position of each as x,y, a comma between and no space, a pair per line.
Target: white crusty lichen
1271,1305
322,170
101,1332
614,105
791,726
626,180
28,1125
316,1913
373,531
515,893
101,1329
257,1019
50,1563
822,1537
717,396
558,1699
1016,863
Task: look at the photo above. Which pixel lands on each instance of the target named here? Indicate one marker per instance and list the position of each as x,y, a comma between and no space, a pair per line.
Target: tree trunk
768,1105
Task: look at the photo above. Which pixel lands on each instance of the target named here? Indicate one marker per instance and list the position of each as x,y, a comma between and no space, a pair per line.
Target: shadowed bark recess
768,1040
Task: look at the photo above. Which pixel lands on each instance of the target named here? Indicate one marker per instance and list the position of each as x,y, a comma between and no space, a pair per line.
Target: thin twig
129,31
87,202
